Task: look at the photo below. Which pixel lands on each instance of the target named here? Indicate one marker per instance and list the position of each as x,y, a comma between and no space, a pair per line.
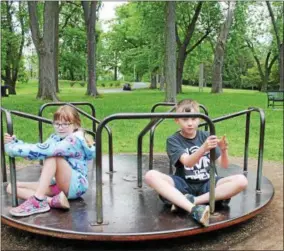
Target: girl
65,153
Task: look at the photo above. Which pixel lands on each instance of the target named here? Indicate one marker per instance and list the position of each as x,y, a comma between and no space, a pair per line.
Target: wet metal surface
130,213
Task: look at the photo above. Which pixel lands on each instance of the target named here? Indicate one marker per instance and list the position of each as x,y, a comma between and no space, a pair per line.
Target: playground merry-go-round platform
132,213
118,206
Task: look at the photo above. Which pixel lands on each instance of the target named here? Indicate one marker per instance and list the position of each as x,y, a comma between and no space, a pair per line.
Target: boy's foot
189,197
30,206
201,213
60,201
222,203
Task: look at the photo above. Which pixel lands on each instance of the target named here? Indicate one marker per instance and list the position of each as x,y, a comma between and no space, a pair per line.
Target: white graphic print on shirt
200,170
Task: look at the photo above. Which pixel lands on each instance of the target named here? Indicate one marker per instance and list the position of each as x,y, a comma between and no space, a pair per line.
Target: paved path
136,85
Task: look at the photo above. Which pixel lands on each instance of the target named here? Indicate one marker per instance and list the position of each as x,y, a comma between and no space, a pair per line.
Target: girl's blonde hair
187,105
68,114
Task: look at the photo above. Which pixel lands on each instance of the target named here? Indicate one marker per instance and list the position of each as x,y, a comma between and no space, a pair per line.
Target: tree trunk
13,63
280,50
182,46
45,47
201,77
264,75
153,84
56,43
115,73
220,50
281,87
170,54
180,64
90,21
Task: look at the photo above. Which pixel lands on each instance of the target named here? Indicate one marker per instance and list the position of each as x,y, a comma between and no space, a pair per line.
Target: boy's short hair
187,105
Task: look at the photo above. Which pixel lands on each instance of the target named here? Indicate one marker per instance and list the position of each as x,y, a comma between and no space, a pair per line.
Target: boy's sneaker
201,213
189,197
222,203
60,201
30,206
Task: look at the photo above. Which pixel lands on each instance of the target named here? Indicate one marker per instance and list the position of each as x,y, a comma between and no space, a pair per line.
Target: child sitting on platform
65,153
189,151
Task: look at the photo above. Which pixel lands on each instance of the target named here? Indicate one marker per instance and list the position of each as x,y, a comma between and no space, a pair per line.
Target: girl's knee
9,189
150,176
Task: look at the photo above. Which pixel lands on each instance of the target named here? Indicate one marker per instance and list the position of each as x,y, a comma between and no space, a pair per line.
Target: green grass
125,132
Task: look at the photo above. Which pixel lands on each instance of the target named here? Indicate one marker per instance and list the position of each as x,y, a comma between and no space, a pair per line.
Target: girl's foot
30,206
59,201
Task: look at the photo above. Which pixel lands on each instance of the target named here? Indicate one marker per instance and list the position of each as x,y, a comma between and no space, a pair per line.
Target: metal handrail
41,109
99,206
11,159
10,130
93,118
261,139
153,128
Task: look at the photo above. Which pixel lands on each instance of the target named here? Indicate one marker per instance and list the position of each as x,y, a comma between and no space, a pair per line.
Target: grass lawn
125,132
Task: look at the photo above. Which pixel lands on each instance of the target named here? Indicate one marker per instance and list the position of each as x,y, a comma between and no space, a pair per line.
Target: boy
189,151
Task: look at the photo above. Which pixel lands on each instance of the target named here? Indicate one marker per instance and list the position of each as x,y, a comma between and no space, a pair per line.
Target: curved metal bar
10,131
261,139
3,159
162,104
152,116
13,174
246,142
152,131
41,109
110,139
219,119
261,146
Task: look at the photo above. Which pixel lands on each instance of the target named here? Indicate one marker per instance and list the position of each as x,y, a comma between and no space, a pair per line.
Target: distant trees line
217,44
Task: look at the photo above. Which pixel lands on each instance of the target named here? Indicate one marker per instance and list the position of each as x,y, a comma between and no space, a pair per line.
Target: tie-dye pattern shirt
73,148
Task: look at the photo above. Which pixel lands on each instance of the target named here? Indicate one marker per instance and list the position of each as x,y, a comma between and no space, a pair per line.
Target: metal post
246,143
3,160
13,174
154,117
260,151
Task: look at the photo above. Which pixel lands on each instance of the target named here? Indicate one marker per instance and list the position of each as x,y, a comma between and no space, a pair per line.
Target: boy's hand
210,143
8,138
223,144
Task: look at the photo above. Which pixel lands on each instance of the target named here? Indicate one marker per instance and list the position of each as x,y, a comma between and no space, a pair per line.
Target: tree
72,49
45,46
182,45
170,54
280,45
90,9
267,66
261,41
12,42
220,50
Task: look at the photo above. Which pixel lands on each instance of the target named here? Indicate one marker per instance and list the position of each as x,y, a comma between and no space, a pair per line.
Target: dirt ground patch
263,232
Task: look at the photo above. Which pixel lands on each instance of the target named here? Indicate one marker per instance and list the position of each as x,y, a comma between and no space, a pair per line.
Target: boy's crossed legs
165,186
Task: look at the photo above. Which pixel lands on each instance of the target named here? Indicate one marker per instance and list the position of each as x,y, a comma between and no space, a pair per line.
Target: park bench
4,90
273,97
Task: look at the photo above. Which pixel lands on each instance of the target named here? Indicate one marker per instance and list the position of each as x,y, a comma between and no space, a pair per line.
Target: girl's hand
223,143
8,138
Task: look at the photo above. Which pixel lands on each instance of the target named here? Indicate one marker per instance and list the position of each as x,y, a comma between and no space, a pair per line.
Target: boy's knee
242,182
150,176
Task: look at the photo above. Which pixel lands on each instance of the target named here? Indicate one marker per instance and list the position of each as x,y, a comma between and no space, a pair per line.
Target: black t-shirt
178,145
